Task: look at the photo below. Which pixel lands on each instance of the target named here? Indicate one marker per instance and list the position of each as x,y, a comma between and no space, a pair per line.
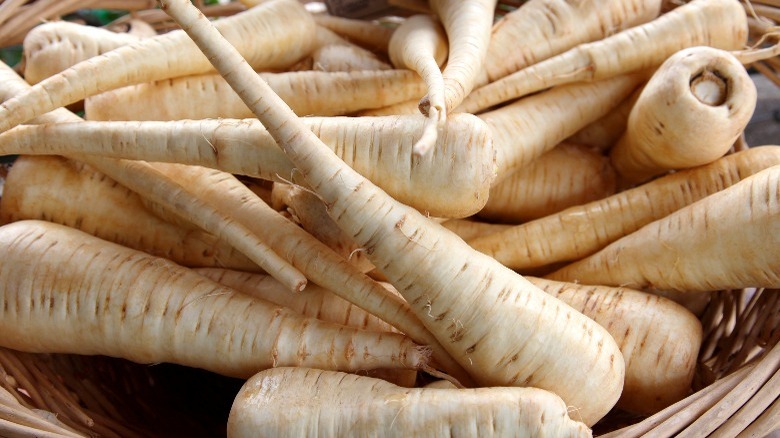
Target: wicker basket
51,395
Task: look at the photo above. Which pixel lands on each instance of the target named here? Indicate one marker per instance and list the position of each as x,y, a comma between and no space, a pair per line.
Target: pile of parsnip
528,214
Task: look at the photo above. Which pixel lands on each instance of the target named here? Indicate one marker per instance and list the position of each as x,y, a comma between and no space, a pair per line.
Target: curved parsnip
451,181
420,44
566,175
690,113
256,32
716,23
468,24
659,338
305,402
580,231
498,326
208,96
54,46
727,240
71,193
67,291
539,29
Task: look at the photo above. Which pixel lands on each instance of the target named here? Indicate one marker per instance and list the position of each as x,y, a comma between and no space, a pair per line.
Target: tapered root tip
430,135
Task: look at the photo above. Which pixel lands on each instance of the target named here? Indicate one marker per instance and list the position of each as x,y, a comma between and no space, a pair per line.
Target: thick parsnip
66,291
71,193
727,240
580,231
689,114
659,338
57,45
304,402
451,181
496,324
567,175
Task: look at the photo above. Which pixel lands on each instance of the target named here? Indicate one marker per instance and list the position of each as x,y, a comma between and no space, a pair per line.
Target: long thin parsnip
539,29
468,24
67,291
304,402
209,96
451,181
659,338
567,175
580,231
689,114
71,193
143,179
320,264
315,302
717,23
257,33
496,324
524,130
727,240
54,46
420,44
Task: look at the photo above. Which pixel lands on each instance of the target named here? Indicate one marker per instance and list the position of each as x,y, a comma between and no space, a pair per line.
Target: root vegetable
689,114
320,264
524,130
497,325
540,29
717,23
257,32
580,231
66,291
606,131
71,193
452,181
299,401
209,96
659,339
468,24
54,46
724,241
420,44
565,176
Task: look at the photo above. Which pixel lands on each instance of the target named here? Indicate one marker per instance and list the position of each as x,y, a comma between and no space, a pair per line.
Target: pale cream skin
306,402
531,339
689,114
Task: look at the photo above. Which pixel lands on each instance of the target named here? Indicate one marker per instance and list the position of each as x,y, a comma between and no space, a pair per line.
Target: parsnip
725,241
689,114
66,291
73,194
299,401
498,326
579,231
